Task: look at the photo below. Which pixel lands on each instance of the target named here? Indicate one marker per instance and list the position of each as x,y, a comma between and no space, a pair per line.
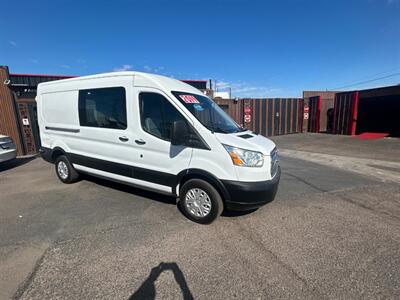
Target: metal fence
267,116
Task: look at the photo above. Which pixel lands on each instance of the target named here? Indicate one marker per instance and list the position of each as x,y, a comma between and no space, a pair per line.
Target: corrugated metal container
9,123
30,129
345,113
272,116
232,107
379,110
326,115
323,94
372,110
32,80
198,84
325,120
314,112
17,93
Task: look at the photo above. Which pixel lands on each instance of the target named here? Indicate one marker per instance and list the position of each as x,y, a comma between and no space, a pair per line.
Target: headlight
245,158
274,162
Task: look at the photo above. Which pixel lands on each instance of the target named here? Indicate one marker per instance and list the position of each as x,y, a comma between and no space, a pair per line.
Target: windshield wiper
221,130
216,129
210,128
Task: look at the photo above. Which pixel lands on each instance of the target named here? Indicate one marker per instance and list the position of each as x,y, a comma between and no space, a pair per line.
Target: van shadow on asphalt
8,165
166,199
148,290
234,213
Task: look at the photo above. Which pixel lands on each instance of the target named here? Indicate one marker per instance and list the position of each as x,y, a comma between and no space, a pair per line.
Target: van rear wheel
200,201
65,171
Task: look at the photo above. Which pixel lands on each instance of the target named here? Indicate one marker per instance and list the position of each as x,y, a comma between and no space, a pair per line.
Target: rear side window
104,108
157,115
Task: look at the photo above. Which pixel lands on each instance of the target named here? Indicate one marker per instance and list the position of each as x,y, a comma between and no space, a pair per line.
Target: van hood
247,140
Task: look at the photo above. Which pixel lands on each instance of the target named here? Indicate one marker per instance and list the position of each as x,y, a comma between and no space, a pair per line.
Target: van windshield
208,113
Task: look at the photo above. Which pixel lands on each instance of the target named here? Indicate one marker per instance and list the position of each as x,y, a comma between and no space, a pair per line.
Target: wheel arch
56,152
188,174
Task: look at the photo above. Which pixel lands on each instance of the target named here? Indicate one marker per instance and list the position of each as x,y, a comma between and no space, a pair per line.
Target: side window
105,108
157,115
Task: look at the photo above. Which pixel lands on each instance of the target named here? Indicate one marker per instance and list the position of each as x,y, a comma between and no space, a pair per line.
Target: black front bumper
250,195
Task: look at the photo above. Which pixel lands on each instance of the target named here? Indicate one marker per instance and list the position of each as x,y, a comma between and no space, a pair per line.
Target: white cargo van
156,133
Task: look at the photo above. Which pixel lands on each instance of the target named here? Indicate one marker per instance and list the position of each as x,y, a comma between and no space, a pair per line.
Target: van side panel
57,117
60,109
106,152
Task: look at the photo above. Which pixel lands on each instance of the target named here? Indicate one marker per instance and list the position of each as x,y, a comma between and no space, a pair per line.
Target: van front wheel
65,171
200,201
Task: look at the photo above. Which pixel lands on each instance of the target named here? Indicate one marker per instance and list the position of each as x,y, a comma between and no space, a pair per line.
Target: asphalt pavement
330,233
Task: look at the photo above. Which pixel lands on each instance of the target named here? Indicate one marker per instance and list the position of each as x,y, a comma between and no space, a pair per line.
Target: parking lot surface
333,231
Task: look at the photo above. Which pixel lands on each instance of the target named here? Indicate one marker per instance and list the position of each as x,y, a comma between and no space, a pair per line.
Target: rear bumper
8,155
251,195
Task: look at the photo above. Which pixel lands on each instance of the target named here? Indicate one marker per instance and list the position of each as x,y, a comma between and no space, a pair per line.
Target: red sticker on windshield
189,99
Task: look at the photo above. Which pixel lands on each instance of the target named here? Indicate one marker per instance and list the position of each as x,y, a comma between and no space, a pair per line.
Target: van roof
141,79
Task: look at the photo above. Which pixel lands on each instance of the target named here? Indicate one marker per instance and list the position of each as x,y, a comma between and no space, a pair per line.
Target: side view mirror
179,133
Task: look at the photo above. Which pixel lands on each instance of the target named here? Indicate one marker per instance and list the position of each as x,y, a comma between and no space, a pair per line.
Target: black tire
217,205
70,175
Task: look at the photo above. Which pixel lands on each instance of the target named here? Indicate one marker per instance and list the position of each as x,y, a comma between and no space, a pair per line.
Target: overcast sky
258,48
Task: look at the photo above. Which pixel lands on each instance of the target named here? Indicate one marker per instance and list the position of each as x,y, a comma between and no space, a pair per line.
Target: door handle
140,142
123,139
